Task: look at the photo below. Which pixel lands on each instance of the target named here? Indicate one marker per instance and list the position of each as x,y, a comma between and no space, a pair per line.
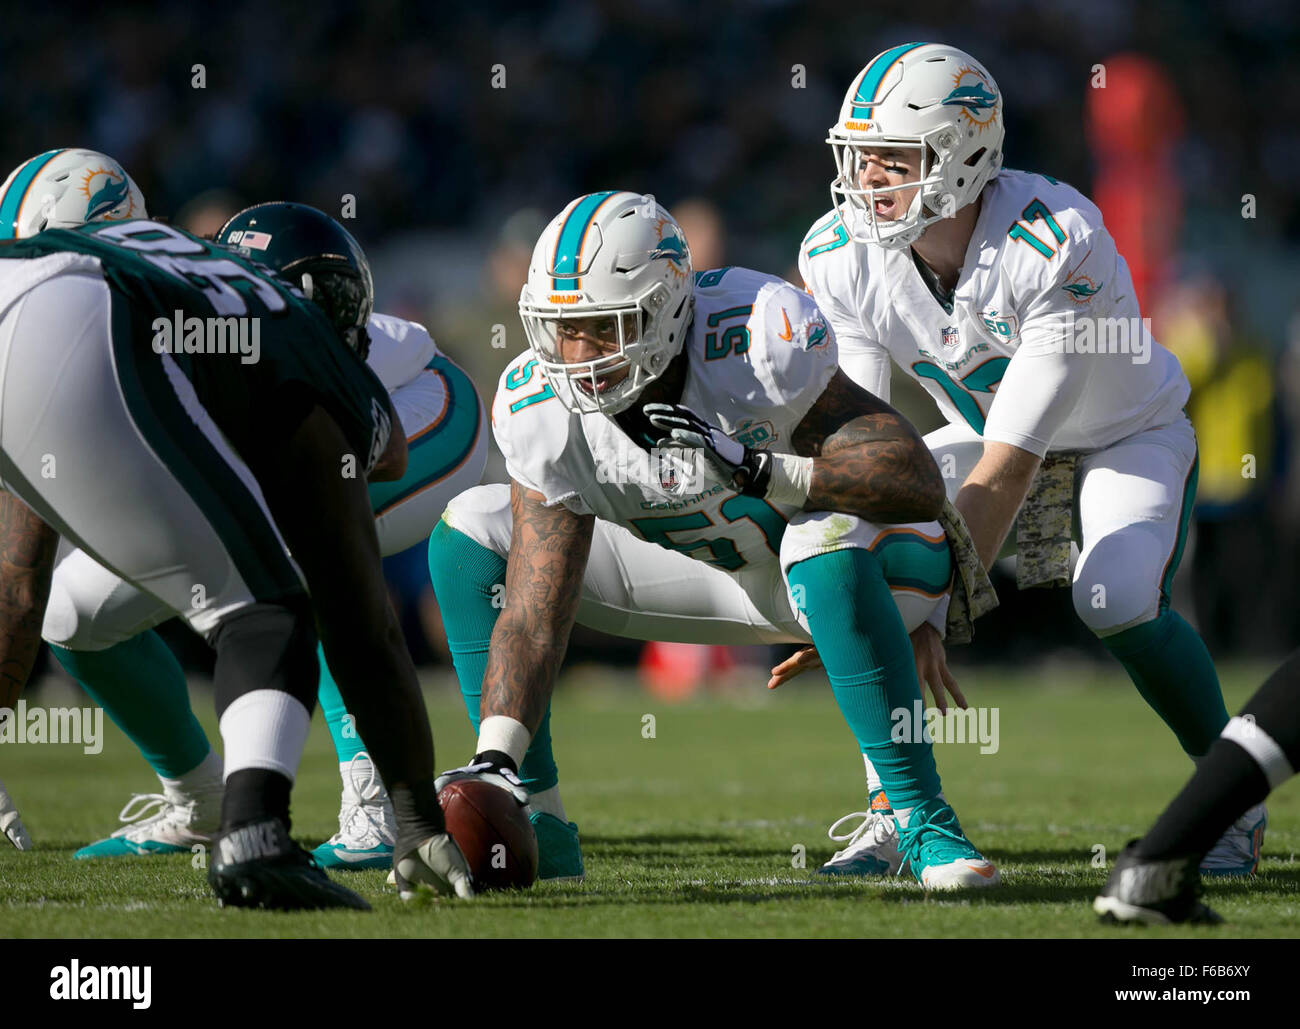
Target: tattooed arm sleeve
548,555
27,548
868,460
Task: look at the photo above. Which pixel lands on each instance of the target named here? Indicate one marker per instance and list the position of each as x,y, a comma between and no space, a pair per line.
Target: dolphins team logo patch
1082,289
671,248
976,98
816,333
106,189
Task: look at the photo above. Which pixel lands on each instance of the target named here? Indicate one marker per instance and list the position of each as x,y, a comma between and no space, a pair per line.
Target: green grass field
694,832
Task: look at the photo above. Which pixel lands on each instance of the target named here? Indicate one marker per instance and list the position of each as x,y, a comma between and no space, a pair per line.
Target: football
493,832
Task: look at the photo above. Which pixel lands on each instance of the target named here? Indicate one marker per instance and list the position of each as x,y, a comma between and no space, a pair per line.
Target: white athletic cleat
171,822
435,867
11,826
872,847
1237,852
367,826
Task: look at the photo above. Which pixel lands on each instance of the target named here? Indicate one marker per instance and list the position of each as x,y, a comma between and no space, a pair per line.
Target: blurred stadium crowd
460,129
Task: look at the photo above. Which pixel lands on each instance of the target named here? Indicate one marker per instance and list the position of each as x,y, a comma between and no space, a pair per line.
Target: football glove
486,771
435,867
725,461
11,826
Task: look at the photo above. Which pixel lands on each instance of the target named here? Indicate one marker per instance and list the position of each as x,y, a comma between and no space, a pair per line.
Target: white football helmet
61,189
927,97
618,261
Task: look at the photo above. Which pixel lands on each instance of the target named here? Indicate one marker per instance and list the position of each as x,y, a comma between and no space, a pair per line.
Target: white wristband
791,479
503,733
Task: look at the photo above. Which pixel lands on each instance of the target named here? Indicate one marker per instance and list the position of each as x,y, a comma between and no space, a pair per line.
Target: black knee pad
267,647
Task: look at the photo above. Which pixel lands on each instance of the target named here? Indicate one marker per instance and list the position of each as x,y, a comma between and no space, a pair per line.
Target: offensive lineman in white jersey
1002,293
688,464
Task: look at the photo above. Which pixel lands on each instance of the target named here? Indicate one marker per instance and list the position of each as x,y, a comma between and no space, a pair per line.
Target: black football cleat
258,866
1149,892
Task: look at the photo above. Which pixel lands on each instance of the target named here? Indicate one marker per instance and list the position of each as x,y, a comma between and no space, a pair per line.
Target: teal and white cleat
872,847
171,822
11,826
559,855
940,855
1237,852
367,826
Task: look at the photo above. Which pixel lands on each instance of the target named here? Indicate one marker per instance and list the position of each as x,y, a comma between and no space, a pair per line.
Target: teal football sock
863,644
141,685
469,580
342,726
1168,662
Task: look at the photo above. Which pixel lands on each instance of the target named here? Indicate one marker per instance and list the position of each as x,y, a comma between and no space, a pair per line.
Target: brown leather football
493,832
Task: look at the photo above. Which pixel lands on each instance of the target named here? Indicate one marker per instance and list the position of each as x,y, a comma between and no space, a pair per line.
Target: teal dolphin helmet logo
974,97
106,197
671,248
65,188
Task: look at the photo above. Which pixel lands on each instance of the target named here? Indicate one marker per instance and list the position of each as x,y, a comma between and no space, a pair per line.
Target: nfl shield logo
950,336
668,477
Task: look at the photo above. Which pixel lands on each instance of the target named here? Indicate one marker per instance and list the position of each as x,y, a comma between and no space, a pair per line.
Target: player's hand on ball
435,866
486,771
932,667
725,461
798,663
11,826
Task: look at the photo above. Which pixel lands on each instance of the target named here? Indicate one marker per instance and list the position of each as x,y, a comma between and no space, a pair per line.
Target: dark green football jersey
256,351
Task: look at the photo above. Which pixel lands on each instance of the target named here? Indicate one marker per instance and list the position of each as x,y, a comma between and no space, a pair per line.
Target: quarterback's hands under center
798,663
932,667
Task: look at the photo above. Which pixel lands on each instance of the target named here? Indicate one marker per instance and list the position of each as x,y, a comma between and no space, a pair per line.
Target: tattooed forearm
869,460
548,556
27,548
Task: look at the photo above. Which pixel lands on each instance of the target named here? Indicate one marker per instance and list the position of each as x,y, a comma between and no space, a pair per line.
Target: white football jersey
759,354
1043,347
399,350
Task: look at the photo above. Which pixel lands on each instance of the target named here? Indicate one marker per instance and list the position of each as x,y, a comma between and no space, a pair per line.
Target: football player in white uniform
1002,293
101,628
688,464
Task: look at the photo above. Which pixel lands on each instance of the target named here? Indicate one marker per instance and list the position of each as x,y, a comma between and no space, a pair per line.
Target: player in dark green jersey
186,418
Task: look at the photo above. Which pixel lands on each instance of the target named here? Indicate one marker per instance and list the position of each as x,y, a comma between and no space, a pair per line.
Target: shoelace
149,808
909,839
870,821
147,802
368,790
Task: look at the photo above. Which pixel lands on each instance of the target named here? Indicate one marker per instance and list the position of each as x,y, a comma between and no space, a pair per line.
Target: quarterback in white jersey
1002,293
688,464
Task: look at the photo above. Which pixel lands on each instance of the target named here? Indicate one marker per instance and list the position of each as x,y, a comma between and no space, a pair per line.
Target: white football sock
205,777
549,801
873,777
265,729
